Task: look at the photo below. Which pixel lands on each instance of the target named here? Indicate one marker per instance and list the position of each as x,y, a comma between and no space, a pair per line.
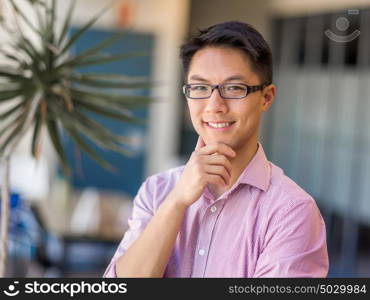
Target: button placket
201,251
204,239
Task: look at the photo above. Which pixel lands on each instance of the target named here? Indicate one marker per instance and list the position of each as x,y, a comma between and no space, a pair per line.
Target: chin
218,140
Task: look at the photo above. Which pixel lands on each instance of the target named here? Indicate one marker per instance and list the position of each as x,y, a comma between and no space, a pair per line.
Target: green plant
42,82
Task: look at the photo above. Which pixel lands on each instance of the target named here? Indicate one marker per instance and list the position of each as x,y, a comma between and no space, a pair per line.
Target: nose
215,103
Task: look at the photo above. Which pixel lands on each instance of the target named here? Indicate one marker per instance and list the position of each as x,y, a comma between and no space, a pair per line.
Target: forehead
216,63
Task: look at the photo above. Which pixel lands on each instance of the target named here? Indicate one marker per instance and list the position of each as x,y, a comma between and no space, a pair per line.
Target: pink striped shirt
264,226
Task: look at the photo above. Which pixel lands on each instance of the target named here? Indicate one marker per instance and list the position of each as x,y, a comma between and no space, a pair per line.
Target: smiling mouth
219,125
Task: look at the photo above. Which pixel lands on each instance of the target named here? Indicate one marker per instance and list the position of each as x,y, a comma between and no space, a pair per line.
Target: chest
219,239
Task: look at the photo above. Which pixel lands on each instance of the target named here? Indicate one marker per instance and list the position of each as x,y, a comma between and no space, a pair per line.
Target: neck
241,160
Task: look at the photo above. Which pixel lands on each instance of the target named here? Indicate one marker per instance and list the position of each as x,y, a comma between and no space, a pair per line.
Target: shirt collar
257,172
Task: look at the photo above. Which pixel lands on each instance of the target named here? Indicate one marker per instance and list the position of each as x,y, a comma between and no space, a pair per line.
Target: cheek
248,113
195,114
194,110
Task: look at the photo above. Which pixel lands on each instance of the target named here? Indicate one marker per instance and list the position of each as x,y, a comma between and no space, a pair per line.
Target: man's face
217,65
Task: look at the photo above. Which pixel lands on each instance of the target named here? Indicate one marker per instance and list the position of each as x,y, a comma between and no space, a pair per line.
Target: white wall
208,12
297,7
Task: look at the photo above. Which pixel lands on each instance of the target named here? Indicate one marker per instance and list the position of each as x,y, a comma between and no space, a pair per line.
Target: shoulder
157,186
166,178
284,194
287,205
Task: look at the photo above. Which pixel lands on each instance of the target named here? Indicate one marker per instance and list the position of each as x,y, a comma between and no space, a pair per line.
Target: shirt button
213,209
201,252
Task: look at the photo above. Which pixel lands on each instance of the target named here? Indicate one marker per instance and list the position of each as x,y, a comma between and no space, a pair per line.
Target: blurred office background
317,130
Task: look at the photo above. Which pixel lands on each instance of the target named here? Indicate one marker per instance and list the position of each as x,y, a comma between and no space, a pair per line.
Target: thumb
200,143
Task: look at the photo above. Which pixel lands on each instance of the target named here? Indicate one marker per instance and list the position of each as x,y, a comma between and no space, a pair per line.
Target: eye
235,87
198,87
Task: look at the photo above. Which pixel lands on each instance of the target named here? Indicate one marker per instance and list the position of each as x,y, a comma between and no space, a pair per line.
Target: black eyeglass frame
250,89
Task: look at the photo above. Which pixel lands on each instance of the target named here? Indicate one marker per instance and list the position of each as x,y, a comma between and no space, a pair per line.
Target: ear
268,95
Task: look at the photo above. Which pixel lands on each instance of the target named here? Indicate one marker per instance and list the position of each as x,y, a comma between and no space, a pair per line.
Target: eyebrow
198,78
231,78
235,77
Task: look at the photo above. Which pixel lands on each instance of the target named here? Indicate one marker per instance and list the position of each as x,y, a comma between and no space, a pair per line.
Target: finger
218,170
218,159
200,143
215,179
220,148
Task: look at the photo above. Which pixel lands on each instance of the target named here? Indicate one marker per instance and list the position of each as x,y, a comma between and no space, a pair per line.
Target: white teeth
219,125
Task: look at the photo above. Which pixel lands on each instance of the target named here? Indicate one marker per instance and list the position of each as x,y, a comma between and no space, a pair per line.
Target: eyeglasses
227,90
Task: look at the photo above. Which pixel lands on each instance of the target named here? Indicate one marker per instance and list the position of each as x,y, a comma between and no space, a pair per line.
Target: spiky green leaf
17,129
98,59
82,30
119,107
40,19
85,147
49,70
11,111
9,74
123,100
116,114
112,76
24,18
10,125
107,58
58,146
98,128
95,49
93,130
10,94
67,23
36,136
85,80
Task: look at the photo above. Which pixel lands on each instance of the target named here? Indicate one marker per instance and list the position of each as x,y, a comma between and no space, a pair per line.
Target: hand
207,164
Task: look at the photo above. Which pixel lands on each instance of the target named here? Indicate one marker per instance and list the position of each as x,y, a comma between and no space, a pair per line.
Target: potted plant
45,90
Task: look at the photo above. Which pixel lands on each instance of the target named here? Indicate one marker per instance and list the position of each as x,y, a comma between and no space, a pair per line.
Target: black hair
232,34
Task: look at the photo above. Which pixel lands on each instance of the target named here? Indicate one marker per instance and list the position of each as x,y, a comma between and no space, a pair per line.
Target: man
228,212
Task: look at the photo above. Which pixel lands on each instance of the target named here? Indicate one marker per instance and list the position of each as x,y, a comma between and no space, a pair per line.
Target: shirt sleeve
142,212
295,246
